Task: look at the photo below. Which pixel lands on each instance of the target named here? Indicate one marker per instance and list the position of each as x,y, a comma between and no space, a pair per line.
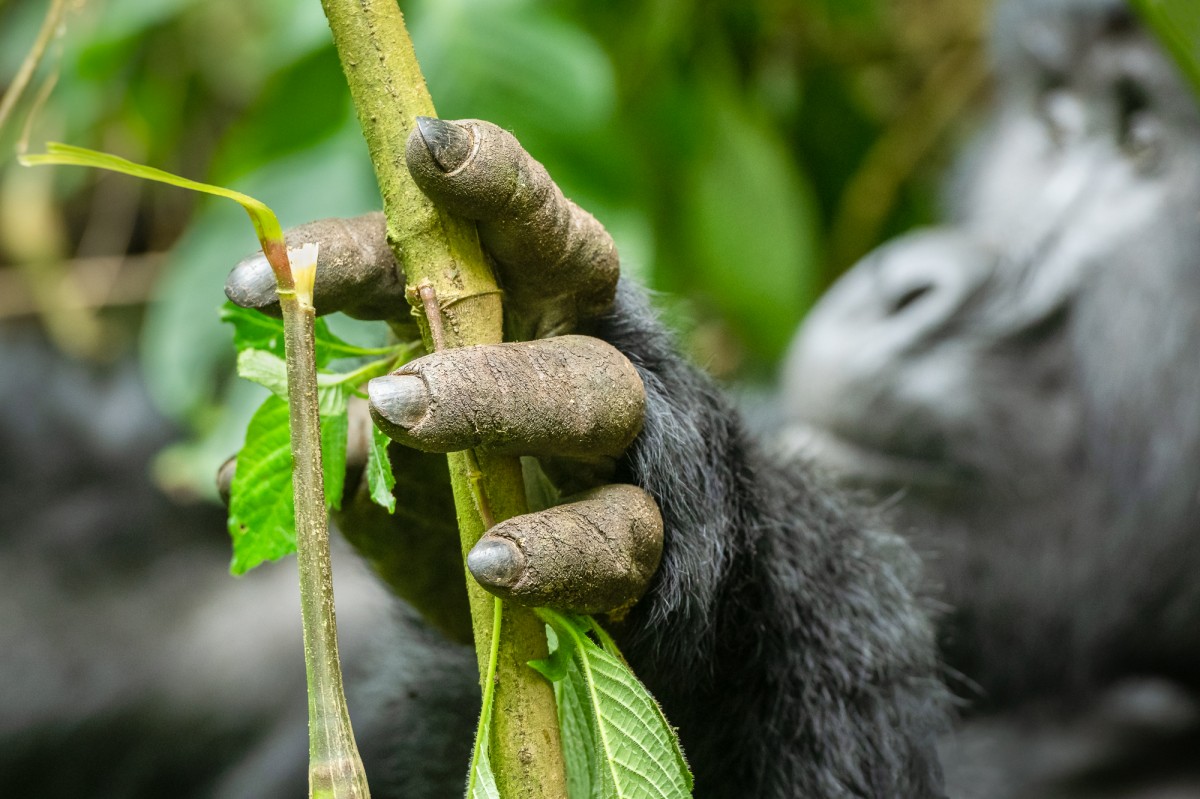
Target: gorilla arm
780,633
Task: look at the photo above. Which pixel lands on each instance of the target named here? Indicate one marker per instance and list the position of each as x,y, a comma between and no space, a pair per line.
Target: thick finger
573,396
356,271
593,555
558,264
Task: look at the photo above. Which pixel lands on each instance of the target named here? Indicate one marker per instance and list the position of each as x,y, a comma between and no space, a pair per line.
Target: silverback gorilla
1025,376
1018,384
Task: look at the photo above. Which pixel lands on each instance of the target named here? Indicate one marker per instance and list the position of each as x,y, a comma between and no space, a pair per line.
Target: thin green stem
482,734
335,768
352,351
369,370
50,27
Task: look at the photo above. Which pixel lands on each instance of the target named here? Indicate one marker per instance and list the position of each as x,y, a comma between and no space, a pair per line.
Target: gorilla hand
573,400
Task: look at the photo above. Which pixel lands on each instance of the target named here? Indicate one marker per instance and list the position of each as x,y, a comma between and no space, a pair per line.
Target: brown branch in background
33,234
51,27
103,282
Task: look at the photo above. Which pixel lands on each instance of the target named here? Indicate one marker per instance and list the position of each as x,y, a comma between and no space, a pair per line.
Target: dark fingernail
448,143
251,284
496,562
225,478
399,399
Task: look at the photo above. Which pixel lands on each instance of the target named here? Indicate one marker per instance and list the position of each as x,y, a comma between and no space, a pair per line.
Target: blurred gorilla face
1026,380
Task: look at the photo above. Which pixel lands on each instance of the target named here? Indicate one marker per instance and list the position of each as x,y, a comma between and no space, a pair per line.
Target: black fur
782,634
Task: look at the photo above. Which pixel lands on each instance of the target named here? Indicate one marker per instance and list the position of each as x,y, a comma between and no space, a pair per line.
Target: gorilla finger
557,262
572,396
595,554
356,271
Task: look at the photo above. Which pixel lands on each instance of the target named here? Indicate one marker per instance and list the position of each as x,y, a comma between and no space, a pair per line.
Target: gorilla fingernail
448,142
398,400
496,562
251,284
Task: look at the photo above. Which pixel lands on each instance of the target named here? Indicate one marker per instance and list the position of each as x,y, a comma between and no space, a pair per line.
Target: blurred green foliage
742,152
1177,23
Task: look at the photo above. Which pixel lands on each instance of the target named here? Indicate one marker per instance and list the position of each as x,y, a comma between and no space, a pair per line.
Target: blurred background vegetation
742,152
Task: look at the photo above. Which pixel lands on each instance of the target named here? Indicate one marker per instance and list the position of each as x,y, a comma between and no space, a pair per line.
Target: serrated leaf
380,479
639,753
577,729
262,516
270,371
262,513
485,778
634,752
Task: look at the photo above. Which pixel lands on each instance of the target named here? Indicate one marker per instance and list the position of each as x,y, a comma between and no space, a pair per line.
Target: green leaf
485,778
380,479
254,330
578,734
335,430
262,516
270,371
185,364
266,225
616,740
554,667
540,491
1177,23
264,368
750,219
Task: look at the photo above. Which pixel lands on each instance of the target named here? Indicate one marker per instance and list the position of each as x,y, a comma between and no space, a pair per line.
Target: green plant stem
335,769
51,25
489,687
441,252
375,368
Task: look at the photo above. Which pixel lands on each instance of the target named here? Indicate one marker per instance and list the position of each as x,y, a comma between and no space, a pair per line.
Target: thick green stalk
440,252
335,770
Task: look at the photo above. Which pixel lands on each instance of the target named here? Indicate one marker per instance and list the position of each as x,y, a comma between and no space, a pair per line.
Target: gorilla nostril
909,297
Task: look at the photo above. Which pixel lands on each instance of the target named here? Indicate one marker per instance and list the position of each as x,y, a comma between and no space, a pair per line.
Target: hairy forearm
778,617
